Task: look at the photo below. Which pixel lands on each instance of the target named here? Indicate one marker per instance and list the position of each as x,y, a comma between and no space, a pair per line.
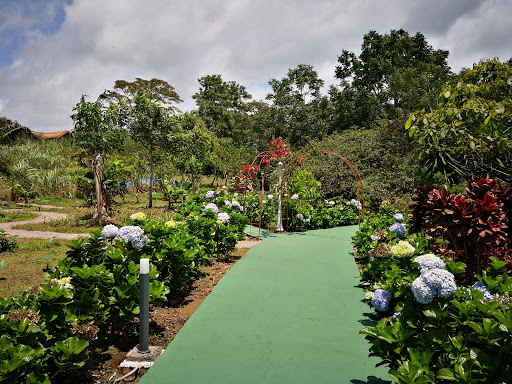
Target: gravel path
43,217
48,216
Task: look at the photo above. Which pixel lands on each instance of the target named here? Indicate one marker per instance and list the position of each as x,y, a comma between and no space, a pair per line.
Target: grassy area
61,226
16,216
27,264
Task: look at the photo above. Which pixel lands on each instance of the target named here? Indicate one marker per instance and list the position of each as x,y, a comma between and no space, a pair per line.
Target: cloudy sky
53,51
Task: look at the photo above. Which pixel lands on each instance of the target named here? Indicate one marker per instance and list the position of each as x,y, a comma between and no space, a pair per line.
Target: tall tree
397,72
148,126
191,145
98,128
299,111
469,135
156,90
222,105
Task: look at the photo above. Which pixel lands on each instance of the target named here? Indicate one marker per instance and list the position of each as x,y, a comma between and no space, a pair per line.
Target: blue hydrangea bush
94,291
433,327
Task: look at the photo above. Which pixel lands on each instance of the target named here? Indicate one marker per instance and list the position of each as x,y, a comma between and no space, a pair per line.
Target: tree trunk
150,177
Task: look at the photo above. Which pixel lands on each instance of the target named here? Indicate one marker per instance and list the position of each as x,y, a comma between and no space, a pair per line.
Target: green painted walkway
287,312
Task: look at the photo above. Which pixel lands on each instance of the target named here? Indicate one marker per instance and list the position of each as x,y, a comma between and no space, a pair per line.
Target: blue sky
53,51
22,21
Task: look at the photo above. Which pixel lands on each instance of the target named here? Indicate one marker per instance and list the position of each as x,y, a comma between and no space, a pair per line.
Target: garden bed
165,323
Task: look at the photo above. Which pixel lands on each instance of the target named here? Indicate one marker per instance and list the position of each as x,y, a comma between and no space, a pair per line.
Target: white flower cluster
109,231
434,282
212,207
210,195
65,282
223,217
356,203
402,249
429,261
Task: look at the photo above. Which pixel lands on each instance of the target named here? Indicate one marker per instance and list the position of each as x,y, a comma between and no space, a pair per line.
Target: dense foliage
468,135
435,323
94,290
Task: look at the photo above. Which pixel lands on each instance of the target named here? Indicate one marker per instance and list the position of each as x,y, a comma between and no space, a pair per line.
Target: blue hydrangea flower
432,283
223,217
396,315
139,242
212,207
356,203
398,228
295,197
109,231
398,217
429,261
134,235
481,287
130,231
381,299
227,203
210,195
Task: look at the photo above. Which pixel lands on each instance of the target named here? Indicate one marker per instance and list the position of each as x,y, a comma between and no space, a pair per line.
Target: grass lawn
16,216
27,264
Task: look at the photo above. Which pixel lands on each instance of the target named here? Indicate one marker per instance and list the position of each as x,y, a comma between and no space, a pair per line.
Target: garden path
48,216
288,312
42,218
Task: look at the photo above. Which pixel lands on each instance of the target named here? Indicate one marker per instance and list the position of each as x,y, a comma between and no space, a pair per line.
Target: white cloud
245,41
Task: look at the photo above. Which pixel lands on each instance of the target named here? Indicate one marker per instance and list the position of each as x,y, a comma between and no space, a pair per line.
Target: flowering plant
211,207
429,261
434,282
402,249
356,204
398,217
380,300
223,217
209,195
244,179
398,228
138,216
134,235
109,231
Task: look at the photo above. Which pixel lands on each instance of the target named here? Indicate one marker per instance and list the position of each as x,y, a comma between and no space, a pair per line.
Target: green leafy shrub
463,336
7,244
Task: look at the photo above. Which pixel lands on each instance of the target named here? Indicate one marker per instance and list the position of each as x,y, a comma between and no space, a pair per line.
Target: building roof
48,135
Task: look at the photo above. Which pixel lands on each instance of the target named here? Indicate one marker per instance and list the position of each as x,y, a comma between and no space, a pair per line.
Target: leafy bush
472,227
461,332
7,244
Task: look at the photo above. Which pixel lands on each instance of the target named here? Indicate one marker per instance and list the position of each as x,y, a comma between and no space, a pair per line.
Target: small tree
98,129
191,145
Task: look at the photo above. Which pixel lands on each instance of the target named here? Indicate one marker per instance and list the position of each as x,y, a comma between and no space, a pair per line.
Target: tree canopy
299,111
394,74
222,105
469,135
156,90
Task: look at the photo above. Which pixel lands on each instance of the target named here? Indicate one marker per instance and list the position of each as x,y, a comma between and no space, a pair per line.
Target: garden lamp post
144,307
279,227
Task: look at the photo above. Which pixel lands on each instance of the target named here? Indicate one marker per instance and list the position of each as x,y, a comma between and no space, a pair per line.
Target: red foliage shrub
473,226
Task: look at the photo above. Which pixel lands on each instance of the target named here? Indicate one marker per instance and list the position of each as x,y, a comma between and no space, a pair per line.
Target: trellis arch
291,165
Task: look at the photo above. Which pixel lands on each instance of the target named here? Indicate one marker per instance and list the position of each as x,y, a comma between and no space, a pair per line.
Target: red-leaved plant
473,226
